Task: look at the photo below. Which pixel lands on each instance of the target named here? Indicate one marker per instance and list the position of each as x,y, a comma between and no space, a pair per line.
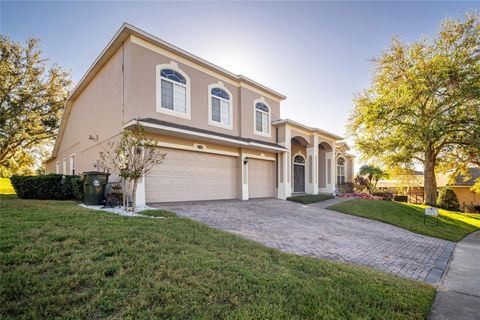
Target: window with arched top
220,112
262,118
173,91
340,170
299,160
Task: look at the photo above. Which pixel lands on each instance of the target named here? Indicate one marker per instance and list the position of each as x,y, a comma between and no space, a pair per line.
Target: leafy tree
372,174
32,98
424,102
131,157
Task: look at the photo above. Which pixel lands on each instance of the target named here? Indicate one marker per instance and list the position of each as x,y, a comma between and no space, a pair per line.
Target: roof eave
294,123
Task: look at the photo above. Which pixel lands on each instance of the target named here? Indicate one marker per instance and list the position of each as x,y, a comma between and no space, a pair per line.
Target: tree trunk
124,194
134,194
429,179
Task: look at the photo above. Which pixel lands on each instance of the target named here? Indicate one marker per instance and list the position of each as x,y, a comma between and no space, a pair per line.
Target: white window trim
174,66
57,167
255,131
72,163
64,166
344,169
301,155
210,106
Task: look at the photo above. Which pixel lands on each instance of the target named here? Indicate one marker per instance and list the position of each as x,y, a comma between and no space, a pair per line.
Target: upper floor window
262,118
220,107
340,170
173,91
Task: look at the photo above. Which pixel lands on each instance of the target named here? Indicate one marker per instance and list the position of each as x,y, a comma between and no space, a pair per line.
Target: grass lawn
451,226
6,186
59,260
158,213
310,198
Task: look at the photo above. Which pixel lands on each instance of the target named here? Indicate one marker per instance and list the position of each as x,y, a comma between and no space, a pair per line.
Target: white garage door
190,176
261,178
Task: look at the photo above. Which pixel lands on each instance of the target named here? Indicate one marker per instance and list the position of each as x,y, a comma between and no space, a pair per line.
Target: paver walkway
458,294
314,231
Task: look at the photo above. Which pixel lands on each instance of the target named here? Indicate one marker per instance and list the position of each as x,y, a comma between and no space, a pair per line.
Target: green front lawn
58,260
310,198
451,226
158,213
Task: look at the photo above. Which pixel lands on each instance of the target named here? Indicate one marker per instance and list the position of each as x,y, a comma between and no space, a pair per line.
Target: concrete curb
438,270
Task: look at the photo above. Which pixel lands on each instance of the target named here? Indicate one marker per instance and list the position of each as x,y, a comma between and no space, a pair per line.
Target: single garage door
190,176
261,178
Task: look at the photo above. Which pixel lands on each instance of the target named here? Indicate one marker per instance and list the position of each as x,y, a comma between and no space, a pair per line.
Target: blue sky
316,53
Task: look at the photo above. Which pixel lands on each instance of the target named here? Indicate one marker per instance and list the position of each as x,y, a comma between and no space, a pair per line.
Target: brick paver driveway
314,231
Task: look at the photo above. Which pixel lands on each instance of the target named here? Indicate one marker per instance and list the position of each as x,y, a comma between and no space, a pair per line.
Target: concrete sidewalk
458,294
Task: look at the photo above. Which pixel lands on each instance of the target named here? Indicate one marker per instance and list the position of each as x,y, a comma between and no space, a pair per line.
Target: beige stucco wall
140,94
349,169
466,197
97,111
308,138
298,148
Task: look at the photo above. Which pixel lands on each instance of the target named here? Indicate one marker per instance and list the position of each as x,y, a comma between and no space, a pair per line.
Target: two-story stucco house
222,132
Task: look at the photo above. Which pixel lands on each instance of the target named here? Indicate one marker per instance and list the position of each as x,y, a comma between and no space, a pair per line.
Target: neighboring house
222,132
412,185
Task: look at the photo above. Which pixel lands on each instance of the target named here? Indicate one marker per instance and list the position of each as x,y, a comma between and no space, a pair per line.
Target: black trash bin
94,187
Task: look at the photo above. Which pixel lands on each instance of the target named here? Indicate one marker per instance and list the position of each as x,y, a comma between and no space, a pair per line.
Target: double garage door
192,176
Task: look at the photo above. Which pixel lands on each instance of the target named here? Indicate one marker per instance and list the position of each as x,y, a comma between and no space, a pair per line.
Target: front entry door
298,178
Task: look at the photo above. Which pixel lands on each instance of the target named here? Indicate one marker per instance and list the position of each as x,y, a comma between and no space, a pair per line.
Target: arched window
220,107
173,90
340,170
262,118
299,160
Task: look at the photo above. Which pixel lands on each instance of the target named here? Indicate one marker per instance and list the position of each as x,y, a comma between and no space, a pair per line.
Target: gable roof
474,175
125,31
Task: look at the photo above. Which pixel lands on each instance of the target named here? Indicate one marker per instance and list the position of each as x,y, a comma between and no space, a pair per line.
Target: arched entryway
298,173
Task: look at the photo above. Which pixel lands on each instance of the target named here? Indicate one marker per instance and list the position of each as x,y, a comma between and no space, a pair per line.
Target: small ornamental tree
447,199
372,174
132,157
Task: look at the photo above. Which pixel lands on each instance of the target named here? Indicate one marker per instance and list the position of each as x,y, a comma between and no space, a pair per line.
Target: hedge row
48,187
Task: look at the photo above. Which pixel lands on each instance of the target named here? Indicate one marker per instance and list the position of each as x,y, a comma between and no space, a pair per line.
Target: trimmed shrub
77,187
44,187
447,199
346,187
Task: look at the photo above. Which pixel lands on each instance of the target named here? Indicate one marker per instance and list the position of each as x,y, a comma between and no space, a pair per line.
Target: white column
311,186
140,195
244,176
284,185
330,172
